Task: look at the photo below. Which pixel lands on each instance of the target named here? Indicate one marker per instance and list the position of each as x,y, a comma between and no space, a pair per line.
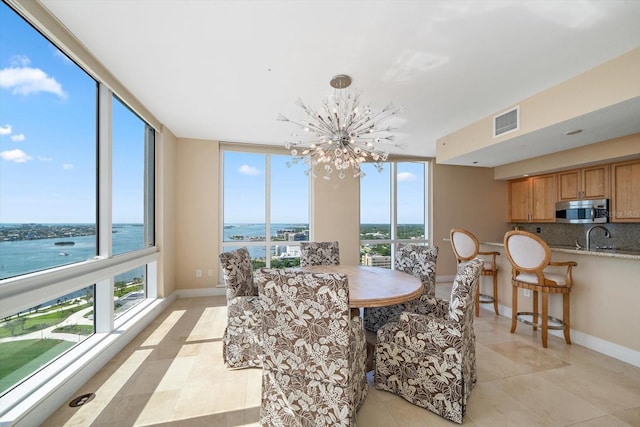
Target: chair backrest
238,273
465,245
306,321
420,262
463,292
319,253
526,251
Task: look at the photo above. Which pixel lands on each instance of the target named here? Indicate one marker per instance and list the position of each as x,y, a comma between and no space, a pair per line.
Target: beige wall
602,152
166,211
611,83
336,215
466,197
196,217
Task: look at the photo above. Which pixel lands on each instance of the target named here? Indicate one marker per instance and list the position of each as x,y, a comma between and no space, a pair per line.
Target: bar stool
466,247
529,256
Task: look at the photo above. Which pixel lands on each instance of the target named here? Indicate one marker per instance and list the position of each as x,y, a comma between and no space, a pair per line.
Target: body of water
26,256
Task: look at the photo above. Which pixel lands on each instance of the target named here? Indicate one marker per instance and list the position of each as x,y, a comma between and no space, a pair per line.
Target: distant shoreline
21,232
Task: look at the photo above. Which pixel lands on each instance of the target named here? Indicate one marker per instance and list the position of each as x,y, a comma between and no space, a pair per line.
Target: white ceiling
223,70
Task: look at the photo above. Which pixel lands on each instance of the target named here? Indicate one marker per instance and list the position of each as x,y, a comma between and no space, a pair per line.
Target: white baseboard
200,292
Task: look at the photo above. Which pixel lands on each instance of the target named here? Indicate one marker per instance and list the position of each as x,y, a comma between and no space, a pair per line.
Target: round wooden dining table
374,286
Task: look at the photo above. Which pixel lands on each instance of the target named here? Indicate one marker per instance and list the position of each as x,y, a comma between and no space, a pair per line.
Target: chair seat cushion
531,278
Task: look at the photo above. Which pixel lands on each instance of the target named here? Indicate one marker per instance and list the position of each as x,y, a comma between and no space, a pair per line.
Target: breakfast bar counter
605,298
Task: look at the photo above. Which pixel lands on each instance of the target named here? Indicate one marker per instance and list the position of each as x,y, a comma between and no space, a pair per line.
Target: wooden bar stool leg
545,318
535,310
495,292
566,317
514,309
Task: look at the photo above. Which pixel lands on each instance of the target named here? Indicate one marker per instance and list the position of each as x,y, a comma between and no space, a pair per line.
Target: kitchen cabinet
585,183
625,184
533,199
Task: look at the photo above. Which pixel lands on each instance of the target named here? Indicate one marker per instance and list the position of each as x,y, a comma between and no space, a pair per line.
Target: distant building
376,260
287,251
299,236
293,251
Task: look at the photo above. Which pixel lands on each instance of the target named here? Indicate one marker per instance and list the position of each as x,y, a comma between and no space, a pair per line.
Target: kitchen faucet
588,236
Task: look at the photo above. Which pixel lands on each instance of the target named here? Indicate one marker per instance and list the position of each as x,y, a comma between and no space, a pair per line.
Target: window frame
267,151
393,241
21,292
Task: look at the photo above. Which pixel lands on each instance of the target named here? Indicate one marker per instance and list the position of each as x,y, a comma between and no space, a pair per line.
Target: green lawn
74,329
35,322
19,359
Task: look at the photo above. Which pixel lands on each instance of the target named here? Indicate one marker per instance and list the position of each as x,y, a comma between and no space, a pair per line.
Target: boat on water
65,243
64,254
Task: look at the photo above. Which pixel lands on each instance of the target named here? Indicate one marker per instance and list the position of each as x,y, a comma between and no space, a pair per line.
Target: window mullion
105,172
267,205
394,210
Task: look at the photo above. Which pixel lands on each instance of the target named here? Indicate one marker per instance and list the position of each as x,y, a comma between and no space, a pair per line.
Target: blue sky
244,196
48,135
48,143
375,190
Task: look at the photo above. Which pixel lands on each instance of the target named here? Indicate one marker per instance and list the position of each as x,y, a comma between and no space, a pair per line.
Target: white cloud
67,166
16,155
26,80
20,61
248,170
18,138
406,176
5,130
45,159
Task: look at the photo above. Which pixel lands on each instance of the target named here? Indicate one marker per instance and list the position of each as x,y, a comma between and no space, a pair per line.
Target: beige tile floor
172,374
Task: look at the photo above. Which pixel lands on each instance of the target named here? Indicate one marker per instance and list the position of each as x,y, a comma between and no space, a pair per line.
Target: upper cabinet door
543,198
533,199
519,200
625,203
569,185
595,182
587,183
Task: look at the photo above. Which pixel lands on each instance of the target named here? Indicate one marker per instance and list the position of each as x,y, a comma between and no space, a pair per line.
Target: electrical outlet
210,273
198,273
527,293
537,229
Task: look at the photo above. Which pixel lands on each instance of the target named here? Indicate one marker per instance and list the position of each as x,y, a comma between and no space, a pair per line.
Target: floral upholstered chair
430,359
419,261
242,340
319,253
314,352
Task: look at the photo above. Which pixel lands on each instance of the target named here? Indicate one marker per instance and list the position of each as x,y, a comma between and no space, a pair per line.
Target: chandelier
342,134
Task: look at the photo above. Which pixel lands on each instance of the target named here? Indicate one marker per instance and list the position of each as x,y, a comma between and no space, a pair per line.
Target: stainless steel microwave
583,211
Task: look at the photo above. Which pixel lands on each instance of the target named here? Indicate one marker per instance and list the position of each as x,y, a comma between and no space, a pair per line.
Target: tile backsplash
623,236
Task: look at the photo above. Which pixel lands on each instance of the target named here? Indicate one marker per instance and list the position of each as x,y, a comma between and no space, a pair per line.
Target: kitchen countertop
571,249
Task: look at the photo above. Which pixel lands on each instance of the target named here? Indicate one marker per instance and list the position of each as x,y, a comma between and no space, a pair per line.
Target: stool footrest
557,323
485,299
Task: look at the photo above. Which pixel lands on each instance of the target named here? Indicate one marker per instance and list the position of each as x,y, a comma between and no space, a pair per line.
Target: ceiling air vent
506,122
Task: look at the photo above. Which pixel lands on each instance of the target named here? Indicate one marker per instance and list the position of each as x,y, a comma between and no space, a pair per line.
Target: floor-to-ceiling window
265,207
393,209
76,209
